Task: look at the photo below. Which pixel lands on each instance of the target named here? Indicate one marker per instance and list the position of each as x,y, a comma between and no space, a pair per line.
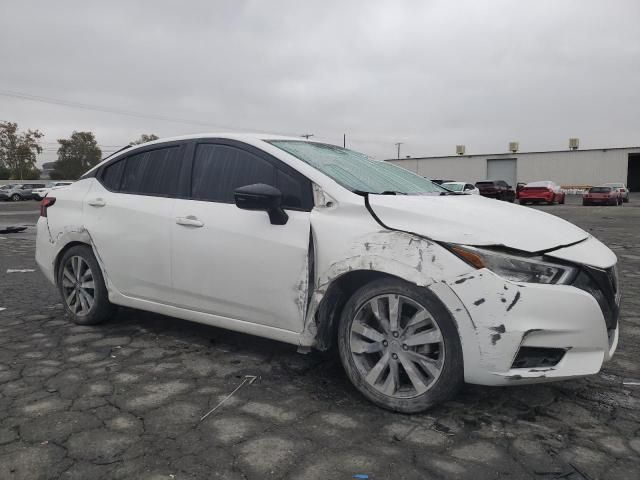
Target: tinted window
468,186
295,191
113,175
219,169
155,172
600,190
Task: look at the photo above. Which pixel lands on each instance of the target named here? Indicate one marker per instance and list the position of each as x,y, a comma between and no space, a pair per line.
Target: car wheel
82,287
400,347
625,200
15,197
562,200
585,203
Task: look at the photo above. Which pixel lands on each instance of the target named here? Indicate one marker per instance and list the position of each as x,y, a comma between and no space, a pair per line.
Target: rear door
232,262
129,214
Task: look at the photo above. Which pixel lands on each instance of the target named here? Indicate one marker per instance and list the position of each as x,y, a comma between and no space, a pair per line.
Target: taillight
46,203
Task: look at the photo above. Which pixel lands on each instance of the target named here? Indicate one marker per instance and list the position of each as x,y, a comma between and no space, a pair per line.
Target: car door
234,263
129,213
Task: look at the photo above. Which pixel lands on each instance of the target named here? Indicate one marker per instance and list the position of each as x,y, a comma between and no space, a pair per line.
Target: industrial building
569,168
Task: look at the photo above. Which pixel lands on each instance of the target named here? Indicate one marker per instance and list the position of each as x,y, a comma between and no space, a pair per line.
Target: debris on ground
248,380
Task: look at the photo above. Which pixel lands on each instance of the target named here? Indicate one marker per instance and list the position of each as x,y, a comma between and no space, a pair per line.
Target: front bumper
496,318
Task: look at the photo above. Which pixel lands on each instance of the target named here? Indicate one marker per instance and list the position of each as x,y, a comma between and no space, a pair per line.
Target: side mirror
262,197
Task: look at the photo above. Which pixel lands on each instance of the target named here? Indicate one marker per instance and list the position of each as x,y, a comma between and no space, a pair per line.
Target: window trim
181,157
276,163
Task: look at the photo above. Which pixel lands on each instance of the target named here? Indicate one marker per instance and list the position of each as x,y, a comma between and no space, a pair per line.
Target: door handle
189,221
97,202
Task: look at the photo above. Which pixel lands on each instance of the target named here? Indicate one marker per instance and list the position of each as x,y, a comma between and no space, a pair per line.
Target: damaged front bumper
526,333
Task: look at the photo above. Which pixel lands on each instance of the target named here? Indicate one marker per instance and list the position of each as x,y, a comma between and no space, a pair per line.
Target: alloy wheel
397,346
78,285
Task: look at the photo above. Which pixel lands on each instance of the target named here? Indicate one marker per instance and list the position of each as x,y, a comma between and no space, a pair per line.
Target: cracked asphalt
124,399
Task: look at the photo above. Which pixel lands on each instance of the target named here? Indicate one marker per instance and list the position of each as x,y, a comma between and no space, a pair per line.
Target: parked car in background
498,189
602,195
19,191
622,188
440,181
462,187
40,193
318,246
543,191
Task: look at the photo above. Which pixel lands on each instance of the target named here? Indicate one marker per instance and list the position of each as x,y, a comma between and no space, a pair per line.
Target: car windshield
600,190
357,172
456,187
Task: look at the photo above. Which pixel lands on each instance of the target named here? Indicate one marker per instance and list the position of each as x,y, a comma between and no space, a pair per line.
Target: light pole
307,135
398,145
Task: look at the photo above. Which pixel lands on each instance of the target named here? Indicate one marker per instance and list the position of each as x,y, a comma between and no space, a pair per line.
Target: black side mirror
262,197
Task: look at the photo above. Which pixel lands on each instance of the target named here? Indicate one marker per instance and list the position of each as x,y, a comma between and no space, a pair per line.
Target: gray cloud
427,73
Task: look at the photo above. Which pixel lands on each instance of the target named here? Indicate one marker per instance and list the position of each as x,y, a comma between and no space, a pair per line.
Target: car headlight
516,268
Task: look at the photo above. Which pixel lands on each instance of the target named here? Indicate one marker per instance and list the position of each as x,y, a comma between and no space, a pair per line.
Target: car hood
475,220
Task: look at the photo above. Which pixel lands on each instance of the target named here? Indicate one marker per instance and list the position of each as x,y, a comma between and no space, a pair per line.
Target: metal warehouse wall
579,167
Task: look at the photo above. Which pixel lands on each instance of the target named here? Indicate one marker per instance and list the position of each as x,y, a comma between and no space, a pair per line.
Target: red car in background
544,191
602,195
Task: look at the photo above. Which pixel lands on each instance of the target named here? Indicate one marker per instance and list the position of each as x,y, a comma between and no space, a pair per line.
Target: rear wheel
15,197
82,287
400,347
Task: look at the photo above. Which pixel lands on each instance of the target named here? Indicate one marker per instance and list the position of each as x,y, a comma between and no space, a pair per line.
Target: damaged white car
420,288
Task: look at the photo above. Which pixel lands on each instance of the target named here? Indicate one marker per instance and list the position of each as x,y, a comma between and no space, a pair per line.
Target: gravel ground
124,400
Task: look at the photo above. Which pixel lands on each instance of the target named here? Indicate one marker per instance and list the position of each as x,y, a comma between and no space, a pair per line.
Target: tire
625,199
585,203
15,197
562,200
441,353
82,305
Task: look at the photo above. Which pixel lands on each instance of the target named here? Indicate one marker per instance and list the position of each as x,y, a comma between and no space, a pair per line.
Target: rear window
485,184
153,172
600,190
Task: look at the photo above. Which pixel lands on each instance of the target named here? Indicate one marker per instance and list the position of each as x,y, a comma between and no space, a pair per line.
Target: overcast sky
431,74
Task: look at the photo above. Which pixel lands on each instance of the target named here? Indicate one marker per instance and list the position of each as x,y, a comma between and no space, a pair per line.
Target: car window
468,186
219,169
355,171
153,172
456,187
112,175
600,190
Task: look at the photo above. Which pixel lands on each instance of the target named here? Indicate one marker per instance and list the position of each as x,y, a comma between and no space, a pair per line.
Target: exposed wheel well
61,253
330,308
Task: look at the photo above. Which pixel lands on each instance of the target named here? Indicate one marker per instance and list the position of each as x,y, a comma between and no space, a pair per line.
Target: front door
235,263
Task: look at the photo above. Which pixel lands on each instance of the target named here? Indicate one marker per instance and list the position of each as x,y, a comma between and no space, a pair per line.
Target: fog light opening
537,357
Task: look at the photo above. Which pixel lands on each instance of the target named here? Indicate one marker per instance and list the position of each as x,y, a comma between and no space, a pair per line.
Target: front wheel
400,347
15,197
82,287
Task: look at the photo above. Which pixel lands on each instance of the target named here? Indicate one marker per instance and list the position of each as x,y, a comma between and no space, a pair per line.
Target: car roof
242,137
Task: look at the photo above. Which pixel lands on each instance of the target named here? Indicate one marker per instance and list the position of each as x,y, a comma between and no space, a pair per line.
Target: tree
75,156
144,138
18,152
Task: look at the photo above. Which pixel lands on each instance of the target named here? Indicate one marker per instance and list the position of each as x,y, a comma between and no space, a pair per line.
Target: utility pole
307,135
398,145
344,140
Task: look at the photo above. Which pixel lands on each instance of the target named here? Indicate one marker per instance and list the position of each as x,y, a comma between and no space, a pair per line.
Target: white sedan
462,187
315,245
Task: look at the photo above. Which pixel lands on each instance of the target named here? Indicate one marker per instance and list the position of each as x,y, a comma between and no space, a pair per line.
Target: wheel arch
60,254
337,293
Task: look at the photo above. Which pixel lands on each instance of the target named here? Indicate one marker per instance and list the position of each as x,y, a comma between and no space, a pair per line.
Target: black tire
451,377
625,200
101,309
15,197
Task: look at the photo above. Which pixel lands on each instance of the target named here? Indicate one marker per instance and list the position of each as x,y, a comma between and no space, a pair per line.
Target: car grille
603,286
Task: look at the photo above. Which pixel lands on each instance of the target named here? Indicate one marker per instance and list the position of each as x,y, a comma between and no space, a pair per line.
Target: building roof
511,154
